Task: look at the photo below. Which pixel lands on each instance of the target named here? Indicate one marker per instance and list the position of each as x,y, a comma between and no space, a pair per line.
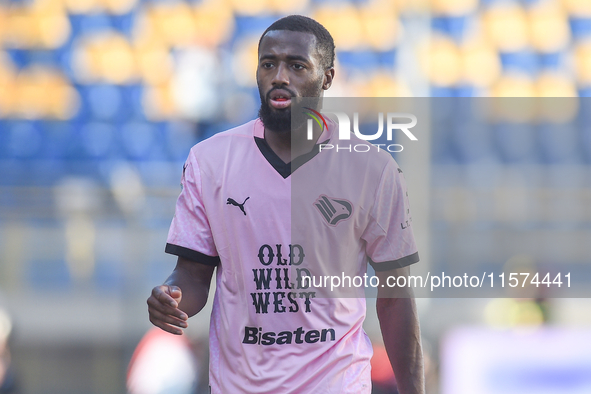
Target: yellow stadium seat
119,6
381,27
514,85
453,7
44,93
250,7
155,63
7,85
440,61
579,8
174,22
582,57
106,57
506,26
549,28
552,84
481,65
287,7
82,6
245,61
344,23
214,22
42,25
158,102
3,24
21,29
383,84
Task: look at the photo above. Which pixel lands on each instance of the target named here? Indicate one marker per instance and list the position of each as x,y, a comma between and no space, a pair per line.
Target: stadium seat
105,102
24,139
98,140
45,274
580,27
250,26
141,141
557,143
362,60
452,26
58,137
88,24
514,142
525,61
180,137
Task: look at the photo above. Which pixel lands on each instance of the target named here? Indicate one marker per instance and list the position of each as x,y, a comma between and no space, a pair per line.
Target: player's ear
328,77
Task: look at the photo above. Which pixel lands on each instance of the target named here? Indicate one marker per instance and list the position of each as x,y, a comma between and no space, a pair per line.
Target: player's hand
163,307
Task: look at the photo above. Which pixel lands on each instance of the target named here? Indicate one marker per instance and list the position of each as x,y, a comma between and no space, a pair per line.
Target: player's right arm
181,296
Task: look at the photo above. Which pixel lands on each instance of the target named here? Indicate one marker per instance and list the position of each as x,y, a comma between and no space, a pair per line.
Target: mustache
268,95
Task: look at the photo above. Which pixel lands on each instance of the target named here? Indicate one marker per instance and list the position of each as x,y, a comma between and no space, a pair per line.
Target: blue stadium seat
65,61
250,25
132,99
109,275
442,91
45,173
470,140
143,140
465,91
58,137
584,128
557,143
580,27
41,57
19,57
551,61
524,61
24,139
160,174
362,60
105,102
98,140
48,274
387,59
83,24
452,26
180,137
514,143
441,151
3,138
124,23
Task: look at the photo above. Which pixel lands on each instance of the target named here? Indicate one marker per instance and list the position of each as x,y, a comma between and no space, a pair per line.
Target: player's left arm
397,313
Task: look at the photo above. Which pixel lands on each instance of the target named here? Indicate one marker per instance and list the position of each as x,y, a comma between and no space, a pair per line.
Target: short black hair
307,25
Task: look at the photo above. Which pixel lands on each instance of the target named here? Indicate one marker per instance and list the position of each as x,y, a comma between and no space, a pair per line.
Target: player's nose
281,75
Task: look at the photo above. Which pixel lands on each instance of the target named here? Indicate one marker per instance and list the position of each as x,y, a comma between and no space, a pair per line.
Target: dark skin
290,62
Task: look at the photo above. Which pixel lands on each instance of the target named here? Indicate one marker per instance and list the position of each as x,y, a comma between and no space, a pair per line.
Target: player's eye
298,66
267,65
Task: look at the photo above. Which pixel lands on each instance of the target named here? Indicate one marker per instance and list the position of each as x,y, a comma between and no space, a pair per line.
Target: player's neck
289,145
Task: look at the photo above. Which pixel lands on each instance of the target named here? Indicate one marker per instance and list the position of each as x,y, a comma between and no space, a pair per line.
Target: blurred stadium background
101,100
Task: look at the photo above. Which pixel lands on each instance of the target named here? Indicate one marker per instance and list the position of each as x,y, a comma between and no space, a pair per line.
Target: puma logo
241,206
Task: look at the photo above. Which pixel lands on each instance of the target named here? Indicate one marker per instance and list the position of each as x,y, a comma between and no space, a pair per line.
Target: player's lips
280,98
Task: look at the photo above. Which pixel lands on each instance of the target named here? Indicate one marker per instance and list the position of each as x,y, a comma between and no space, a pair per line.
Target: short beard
280,121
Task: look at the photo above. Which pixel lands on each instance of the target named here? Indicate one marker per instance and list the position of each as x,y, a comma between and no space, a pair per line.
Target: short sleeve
389,238
190,234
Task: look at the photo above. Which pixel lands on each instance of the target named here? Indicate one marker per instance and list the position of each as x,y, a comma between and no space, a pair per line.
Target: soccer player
242,211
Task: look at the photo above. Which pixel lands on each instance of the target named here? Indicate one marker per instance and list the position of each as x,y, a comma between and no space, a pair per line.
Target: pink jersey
266,225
